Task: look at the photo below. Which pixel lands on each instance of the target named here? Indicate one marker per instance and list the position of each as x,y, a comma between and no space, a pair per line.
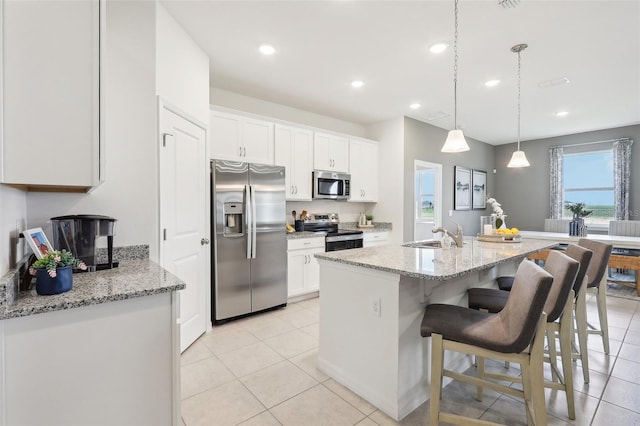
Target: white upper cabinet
363,166
51,101
293,150
238,138
330,152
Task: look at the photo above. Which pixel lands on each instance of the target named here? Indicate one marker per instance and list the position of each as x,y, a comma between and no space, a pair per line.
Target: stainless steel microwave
330,185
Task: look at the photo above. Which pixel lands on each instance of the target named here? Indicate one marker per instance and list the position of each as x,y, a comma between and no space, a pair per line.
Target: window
425,191
427,199
587,177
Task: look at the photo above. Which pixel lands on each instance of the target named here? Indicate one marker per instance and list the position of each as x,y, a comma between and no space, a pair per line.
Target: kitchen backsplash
349,212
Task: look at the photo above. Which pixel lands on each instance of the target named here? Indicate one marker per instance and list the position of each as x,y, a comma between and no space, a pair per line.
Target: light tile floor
262,370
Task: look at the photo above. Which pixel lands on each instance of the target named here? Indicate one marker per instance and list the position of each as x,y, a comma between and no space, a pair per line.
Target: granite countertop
378,227
304,234
437,264
133,278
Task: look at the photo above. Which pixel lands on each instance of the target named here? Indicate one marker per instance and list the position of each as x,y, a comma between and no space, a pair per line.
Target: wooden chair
629,228
515,334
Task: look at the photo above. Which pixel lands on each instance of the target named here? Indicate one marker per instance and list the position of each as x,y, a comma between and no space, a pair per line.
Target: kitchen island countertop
133,278
437,264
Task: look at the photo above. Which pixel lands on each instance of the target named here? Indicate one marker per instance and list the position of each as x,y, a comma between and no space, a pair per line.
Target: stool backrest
629,228
564,270
556,225
582,255
521,314
599,260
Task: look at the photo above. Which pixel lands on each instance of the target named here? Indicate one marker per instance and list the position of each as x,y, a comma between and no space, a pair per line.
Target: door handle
204,241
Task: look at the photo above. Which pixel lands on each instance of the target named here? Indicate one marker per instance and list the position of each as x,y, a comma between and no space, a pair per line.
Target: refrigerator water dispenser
232,219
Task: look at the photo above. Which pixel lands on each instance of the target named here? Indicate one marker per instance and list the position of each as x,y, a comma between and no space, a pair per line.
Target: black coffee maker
78,234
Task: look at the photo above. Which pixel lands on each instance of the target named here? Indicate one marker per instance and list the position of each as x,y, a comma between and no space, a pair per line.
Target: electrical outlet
450,213
376,306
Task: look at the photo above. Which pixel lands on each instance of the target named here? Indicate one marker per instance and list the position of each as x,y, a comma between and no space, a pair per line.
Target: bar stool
504,336
559,307
597,284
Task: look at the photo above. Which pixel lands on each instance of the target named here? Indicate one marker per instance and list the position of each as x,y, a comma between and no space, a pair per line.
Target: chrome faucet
457,237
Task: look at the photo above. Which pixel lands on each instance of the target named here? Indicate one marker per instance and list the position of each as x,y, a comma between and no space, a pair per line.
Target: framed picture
479,193
461,188
37,241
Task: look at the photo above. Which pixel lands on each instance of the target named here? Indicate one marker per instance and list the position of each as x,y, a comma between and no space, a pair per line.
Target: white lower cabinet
303,273
372,239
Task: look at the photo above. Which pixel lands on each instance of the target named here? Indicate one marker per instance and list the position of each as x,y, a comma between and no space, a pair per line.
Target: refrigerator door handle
254,226
249,219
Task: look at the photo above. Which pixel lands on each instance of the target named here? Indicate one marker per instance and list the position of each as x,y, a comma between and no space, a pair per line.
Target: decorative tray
366,226
517,238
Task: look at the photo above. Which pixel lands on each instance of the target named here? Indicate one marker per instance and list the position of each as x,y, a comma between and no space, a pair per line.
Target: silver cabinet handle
239,151
244,151
204,241
296,186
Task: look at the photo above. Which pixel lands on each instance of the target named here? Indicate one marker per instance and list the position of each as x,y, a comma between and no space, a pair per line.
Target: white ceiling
323,45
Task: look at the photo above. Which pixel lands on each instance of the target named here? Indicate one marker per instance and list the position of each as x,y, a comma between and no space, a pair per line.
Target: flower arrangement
497,211
578,209
55,259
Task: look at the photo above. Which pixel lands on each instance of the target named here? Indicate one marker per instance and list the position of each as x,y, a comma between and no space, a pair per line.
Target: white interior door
428,199
184,217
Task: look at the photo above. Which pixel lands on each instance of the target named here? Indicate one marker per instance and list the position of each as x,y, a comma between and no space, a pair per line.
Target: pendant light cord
455,67
519,100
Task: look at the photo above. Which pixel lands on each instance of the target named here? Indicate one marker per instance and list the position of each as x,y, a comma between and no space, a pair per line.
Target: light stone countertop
133,278
437,264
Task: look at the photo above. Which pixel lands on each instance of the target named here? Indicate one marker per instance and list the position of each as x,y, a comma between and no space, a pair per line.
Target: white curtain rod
591,143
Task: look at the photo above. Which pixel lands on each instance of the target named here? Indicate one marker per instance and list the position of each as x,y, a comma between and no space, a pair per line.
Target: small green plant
369,217
578,209
55,259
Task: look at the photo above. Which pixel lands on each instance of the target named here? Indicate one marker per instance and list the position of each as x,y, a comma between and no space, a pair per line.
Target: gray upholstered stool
515,334
597,284
559,307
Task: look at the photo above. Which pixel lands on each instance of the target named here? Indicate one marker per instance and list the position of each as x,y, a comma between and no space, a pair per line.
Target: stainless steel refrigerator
249,265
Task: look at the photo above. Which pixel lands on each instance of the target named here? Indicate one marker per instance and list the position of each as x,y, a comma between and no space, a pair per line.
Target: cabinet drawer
305,243
375,236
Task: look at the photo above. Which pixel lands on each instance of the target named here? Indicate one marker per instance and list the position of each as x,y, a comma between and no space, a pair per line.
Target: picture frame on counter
38,241
461,188
479,193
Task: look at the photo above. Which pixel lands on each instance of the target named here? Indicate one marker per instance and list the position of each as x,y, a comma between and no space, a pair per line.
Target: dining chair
514,334
556,225
559,309
623,263
597,284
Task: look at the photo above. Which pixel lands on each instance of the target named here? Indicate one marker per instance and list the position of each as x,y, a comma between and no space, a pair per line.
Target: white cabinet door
372,239
293,151
225,136
363,167
51,93
303,274
257,141
330,153
238,138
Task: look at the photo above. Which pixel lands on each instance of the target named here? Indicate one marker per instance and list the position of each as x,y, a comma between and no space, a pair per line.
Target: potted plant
54,272
369,219
577,226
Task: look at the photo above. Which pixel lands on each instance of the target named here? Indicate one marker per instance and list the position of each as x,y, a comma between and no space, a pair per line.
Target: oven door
343,242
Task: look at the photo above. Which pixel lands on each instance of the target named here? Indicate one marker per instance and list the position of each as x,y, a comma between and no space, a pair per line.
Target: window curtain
555,191
622,177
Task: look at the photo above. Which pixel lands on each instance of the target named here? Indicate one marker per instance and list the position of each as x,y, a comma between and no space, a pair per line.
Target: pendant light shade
518,159
455,139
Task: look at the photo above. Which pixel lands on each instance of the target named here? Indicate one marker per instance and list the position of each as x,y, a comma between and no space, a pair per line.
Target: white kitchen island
371,305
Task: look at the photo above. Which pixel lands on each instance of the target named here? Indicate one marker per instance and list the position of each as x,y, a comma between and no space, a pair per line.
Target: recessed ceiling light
267,49
357,83
438,47
492,83
415,106
562,113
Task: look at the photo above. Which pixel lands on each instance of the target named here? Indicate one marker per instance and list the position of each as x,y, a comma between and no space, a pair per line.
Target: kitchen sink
425,244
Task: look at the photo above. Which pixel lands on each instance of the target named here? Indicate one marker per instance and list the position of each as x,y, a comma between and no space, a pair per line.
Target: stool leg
437,355
566,331
601,299
480,364
553,355
581,326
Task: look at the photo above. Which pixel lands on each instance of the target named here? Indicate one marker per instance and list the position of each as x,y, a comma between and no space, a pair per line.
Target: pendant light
455,139
518,159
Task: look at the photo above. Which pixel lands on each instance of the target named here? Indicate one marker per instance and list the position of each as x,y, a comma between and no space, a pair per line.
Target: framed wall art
479,193
461,188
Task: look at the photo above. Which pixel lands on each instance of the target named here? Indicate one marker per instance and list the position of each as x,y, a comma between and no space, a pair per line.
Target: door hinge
164,138
164,234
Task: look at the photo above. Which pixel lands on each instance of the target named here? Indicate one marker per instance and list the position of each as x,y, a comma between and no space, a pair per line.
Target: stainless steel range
336,239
